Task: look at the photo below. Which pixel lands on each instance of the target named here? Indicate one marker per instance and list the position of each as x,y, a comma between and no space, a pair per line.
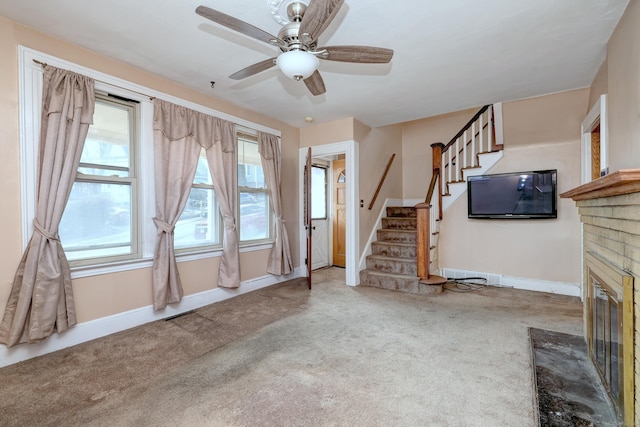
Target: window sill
116,267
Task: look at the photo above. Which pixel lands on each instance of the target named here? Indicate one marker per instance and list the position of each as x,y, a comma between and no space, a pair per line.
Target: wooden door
595,153
308,226
339,217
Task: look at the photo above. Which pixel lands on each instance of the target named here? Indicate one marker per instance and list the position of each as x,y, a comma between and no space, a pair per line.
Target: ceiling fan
298,40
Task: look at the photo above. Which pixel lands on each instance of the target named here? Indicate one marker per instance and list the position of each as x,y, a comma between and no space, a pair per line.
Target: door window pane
318,192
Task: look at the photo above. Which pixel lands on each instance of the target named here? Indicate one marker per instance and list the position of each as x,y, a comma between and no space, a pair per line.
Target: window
100,218
107,225
199,223
253,198
318,192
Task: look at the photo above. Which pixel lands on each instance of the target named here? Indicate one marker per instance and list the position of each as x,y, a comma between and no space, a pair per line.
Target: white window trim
30,100
597,115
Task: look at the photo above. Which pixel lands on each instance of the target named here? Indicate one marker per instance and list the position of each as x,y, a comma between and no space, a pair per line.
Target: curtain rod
151,98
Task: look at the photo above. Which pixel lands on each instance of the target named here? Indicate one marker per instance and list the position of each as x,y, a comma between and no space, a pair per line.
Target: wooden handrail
466,127
384,176
432,186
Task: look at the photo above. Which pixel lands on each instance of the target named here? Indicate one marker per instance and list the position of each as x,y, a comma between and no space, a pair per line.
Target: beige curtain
41,299
175,160
179,133
280,257
221,156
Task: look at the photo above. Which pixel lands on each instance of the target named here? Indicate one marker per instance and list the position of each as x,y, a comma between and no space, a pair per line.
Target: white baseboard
93,329
561,288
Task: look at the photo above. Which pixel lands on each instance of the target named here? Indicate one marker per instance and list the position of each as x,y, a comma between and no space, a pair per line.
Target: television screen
517,195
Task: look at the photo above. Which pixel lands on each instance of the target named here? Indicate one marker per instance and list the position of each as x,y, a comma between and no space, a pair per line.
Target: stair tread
383,273
391,258
399,230
383,242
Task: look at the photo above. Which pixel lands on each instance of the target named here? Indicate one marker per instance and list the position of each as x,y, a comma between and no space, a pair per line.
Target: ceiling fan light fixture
297,64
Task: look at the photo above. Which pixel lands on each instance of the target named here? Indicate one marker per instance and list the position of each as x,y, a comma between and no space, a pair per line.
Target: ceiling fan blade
235,24
315,84
360,54
253,69
318,16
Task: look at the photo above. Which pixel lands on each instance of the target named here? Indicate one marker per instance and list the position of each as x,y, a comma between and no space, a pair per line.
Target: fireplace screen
610,329
606,338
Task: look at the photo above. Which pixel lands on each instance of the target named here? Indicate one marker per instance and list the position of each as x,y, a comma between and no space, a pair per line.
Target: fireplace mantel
624,181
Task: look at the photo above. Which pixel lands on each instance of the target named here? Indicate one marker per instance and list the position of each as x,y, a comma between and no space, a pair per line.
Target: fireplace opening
610,328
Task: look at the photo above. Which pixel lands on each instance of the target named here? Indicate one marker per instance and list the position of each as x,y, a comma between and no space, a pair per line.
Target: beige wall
327,133
376,148
623,64
417,137
539,133
600,84
110,294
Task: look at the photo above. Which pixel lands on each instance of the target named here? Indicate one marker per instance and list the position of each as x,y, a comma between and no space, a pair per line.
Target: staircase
403,259
393,262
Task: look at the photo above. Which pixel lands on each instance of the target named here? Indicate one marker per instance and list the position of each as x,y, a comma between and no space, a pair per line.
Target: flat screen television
516,195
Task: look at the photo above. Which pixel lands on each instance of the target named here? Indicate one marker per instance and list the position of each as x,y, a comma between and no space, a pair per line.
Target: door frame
596,116
350,150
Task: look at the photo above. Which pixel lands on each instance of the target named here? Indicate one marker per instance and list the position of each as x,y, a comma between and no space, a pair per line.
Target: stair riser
397,236
400,223
391,250
408,285
397,211
408,268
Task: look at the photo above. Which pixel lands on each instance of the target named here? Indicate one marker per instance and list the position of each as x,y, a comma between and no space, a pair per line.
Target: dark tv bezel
551,215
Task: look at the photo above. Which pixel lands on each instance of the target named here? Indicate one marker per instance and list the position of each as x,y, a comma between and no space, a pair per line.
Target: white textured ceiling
449,55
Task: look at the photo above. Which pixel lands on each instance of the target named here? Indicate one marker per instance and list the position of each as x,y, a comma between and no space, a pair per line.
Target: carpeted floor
287,356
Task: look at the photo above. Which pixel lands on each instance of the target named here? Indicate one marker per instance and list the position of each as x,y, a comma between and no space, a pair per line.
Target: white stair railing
461,153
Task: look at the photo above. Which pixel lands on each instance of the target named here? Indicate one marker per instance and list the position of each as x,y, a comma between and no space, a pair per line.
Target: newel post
423,239
436,166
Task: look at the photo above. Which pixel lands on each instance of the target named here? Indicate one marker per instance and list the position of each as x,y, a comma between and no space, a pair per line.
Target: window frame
131,180
247,136
30,85
203,248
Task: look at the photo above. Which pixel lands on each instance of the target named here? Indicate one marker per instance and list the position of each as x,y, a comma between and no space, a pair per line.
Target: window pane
198,223
254,216
107,142
250,172
318,192
97,220
202,170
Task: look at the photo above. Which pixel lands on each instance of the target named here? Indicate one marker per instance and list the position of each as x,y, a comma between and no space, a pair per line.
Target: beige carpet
286,356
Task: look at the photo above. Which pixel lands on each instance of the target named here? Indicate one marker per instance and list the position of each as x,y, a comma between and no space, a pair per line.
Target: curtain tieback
229,223
43,232
280,219
163,227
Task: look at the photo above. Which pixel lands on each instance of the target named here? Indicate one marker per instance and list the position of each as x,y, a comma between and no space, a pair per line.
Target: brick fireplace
609,210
